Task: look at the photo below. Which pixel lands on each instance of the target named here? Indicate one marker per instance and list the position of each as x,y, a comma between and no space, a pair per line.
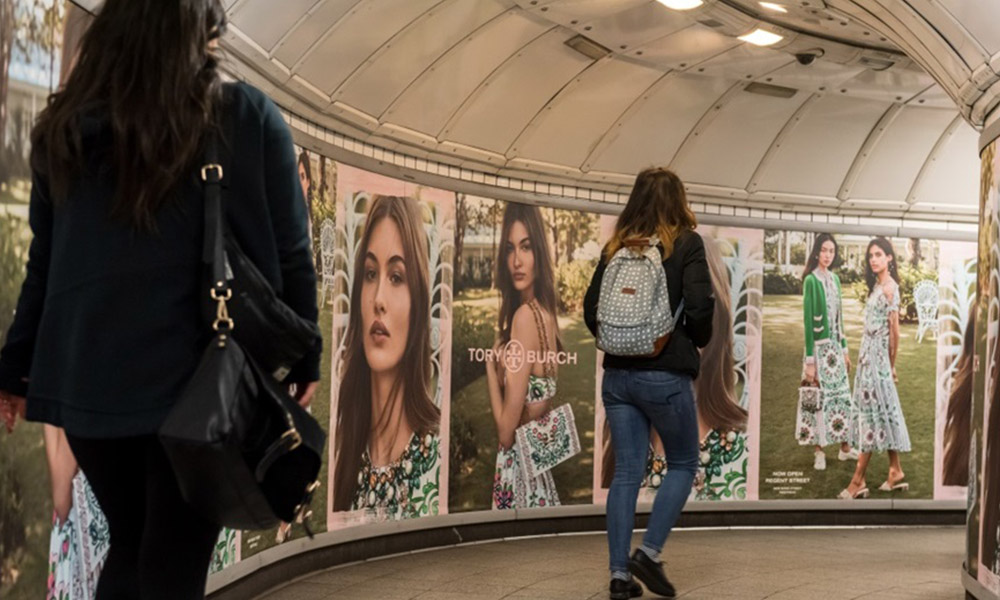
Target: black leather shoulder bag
245,454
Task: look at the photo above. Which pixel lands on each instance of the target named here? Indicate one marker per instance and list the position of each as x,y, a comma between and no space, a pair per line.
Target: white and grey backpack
633,311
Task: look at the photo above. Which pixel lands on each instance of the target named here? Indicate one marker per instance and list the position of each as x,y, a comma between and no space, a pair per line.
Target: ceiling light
760,37
774,7
681,4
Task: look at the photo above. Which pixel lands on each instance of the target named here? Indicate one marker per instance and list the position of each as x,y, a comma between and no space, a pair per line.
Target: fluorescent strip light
774,7
681,4
759,37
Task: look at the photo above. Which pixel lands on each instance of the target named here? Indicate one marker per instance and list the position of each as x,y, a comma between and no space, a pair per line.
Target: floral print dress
510,488
877,423
831,371
405,489
78,546
723,457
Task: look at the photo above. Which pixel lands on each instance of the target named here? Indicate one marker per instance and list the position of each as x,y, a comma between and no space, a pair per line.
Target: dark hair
955,467
545,279
886,246
812,261
146,66
354,408
657,207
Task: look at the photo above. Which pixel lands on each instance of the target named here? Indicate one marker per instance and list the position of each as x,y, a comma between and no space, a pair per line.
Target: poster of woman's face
521,352
390,350
727,388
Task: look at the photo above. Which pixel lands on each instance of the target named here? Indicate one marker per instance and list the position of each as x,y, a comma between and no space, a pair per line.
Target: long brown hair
545,280
957,425
354,407
715,387
657,207
145,65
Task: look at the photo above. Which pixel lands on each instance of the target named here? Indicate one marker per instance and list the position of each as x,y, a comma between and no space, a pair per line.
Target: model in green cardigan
824,331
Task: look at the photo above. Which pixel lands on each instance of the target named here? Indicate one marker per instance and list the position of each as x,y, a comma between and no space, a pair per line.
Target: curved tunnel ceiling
493,85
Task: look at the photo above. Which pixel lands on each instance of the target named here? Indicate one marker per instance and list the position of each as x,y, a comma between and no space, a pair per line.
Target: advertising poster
390,347
727,388
830,303
955,329
984,489
318,176
523,358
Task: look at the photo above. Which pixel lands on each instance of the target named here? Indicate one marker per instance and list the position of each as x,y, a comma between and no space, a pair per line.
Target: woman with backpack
650,384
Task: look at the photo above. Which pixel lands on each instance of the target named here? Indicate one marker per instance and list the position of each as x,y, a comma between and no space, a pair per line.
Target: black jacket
108,327
687,278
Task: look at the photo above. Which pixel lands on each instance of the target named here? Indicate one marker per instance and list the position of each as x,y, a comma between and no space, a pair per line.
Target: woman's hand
303,392
847,361
895,378
11,407
810,374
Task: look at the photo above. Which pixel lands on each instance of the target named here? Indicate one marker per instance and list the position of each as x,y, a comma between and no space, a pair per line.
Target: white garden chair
326,246
925,294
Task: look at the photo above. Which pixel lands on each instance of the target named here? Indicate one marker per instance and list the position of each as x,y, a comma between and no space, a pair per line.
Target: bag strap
213,253
543,338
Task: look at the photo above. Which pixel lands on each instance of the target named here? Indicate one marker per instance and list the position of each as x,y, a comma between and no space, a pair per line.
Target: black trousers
160,548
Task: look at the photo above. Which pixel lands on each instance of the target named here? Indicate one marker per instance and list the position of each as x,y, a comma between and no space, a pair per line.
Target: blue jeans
632,401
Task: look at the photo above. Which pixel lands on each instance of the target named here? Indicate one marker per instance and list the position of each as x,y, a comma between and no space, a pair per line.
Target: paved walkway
776,564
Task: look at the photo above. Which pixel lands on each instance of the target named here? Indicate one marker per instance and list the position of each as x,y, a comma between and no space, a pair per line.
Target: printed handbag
547,441
808,419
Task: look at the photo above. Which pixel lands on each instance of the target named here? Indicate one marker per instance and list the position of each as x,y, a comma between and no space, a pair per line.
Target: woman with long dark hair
877,422
655,391
826,361
525,279
387,458
958,424
989,544
107,331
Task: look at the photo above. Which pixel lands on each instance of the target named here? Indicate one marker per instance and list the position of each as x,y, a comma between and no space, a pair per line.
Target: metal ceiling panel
356,37
497,112
569,127
729,149
657,124
683,48
978,17
953,174
896,160
317,23
437,94
387,73
264,25
816,154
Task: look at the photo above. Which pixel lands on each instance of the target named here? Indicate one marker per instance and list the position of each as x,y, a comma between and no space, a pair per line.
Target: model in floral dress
78,546
877,423
406,488
826,359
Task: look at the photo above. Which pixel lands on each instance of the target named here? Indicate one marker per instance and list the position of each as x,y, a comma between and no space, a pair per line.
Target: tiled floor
776,564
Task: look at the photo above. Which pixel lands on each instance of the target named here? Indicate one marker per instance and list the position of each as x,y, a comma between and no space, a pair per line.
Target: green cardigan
815,318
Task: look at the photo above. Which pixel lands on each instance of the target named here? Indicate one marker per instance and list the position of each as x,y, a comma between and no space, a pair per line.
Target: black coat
108,329
687,278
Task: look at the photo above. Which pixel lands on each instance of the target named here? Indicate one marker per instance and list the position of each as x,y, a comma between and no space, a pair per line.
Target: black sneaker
623,590
651,573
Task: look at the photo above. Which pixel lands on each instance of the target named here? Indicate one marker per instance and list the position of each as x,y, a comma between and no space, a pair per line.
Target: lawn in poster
803,461
522,356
